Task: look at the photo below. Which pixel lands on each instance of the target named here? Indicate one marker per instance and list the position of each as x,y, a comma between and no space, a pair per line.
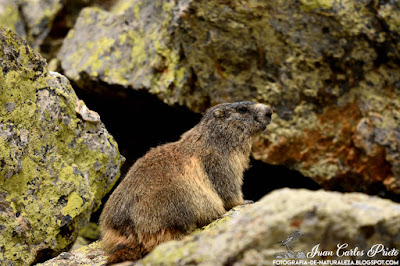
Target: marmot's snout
264,113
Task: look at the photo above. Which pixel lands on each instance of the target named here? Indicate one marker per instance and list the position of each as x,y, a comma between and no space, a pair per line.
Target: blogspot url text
335,262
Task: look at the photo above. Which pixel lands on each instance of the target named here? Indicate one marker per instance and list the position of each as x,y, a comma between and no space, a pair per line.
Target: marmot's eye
243,109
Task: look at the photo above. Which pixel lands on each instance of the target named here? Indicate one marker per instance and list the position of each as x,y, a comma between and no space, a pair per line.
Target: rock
57,161
134,49
44,24
91,231
87,235
89,255
80,242
31,20
330,69
254,235
63,22
324,218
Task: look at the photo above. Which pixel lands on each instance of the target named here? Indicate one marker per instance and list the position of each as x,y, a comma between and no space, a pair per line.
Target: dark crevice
262,178
43,255
383,49
24,23
354,184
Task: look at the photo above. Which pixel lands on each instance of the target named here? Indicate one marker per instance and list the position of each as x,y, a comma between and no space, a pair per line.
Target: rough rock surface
57,158
250,237
330,68
89,255
125,50
44,24
31,20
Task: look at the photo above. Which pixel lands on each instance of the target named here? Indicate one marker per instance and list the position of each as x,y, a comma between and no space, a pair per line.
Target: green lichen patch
391,15
310,5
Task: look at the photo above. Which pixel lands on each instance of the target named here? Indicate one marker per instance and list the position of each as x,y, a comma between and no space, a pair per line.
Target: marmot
179,186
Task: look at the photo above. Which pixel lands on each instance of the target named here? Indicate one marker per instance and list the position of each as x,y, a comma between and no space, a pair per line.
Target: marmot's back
179,186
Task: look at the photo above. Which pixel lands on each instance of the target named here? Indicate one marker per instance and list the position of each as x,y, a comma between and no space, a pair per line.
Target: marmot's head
239,117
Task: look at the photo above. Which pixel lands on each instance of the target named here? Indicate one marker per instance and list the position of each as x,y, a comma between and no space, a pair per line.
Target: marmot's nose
268,111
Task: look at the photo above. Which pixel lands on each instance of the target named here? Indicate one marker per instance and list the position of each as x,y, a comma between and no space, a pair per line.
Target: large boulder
255,235
331,70
57,158
31,20
44,24
128,50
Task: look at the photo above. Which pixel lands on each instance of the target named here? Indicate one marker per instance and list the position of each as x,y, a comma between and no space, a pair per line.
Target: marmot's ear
219,113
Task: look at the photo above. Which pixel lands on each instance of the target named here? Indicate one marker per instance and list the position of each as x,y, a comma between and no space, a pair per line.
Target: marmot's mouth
262,123
264,120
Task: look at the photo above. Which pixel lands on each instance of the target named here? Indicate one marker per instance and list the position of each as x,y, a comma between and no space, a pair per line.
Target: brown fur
179,186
